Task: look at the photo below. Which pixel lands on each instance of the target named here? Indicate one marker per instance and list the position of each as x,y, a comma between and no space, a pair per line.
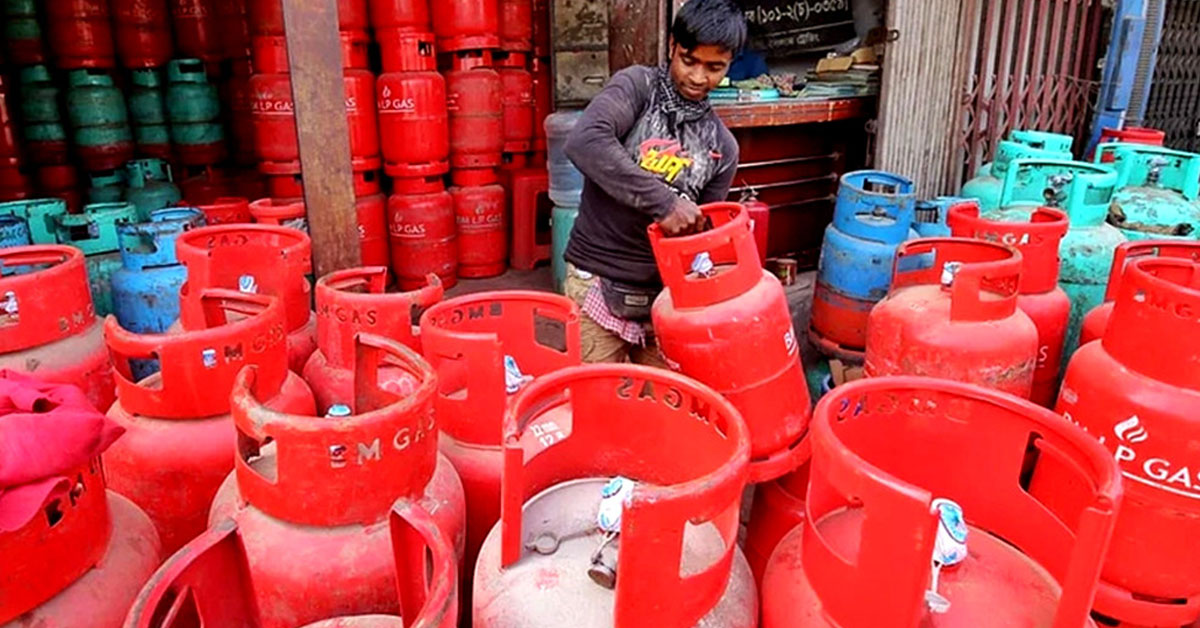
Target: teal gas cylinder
562,220
1157,190
989,180
41,216
41,120
96,110
194,114
151,186
108,186
14,231
148,113
94,231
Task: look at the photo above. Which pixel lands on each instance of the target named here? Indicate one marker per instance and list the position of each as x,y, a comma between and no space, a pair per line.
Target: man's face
698,71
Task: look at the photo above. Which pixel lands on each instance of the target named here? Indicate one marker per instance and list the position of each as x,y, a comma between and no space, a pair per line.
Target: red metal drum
1037,502
352,302
466,24
475,101
61,182
275,122
281,212
731,329
952,313
777,509
179,441
261,259
266,16
80,33
226,210
219,589
81,560
197,30
423,237
1096,321
413,120
516,25
143,31
480,213
50,328
1040,297
518,105
1136,390
565,437
466,340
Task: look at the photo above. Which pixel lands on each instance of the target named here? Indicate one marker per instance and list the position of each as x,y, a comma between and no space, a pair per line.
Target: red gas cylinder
219,589
275,122
352,302
266,16
14,185
466,24
1040,297
777,509
282,212
61,182
1129,135
226,210
413,123
241,113
80,33
518,104
1015,505
179,441
475,101
372,229
143,30
234,29
50,329
261,259
423,236
760,225
541,28
480,213
1137,390
543,100
10,146
952,313
197,30
205,186
676,517
467,340
700,320
268,53
516,25
326,485
1096,321
80,560
399,15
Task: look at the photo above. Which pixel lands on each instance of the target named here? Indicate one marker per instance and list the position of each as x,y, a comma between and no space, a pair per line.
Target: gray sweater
639,145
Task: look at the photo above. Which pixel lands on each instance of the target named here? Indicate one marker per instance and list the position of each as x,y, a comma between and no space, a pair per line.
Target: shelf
784,112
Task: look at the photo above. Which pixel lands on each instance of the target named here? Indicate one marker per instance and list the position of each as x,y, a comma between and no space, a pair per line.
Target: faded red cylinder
371,211
543,101
266,16
10,147
516,25
541,28
61,182
956,318
197,31
401,15
80,33
466,24
778,508
14,185
234,29
480,208
423,236
475,102
356,301
241,113
413,123
1096,321
226,210
1046,304
143,31
281,212
519,105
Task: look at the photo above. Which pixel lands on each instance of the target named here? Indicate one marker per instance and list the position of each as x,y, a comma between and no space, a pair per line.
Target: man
651,149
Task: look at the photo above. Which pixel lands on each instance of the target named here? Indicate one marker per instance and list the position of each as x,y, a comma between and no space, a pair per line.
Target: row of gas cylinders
560,492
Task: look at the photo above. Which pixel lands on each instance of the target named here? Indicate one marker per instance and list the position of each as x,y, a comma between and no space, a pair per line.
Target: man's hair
710,23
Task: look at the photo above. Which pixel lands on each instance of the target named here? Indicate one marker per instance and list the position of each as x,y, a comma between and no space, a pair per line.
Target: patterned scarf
672,102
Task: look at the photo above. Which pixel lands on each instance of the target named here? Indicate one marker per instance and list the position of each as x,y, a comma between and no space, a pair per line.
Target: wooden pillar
315,58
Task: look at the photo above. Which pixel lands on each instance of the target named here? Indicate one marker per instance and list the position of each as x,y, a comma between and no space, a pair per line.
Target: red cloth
46,431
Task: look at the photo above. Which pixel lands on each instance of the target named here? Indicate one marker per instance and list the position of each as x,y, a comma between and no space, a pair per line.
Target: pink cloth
596,309
46,431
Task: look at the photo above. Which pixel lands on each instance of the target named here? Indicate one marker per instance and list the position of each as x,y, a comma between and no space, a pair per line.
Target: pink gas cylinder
352,302
467,340
935,503
952,313
1096,321
179,441
260,259
1040,296
50,328
575,541
724,321
1136,391
423,234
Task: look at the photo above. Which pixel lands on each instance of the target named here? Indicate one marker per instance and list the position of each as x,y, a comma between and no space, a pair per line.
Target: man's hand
685,217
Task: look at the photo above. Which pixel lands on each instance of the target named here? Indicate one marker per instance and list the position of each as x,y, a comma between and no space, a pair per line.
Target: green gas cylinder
1157,190
23,40
94,231
42,123
989,180
148,113
41,214
194,113
1084,191
108,186
562,220
151,186
96,110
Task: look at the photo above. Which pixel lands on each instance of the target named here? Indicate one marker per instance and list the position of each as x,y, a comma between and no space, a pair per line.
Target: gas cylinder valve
949,549
613,499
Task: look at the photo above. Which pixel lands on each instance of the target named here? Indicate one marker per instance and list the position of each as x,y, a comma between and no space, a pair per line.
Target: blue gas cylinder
145,290
873,215
151,186
14,231
929,219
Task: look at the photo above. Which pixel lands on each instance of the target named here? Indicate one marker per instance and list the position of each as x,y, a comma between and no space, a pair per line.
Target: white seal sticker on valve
703,265
247,284
514,379
949,549
613,499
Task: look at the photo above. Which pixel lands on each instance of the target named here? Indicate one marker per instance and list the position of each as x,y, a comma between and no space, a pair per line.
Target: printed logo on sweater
664,157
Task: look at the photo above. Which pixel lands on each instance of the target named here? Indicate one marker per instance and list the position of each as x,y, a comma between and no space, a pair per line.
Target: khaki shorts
598,343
